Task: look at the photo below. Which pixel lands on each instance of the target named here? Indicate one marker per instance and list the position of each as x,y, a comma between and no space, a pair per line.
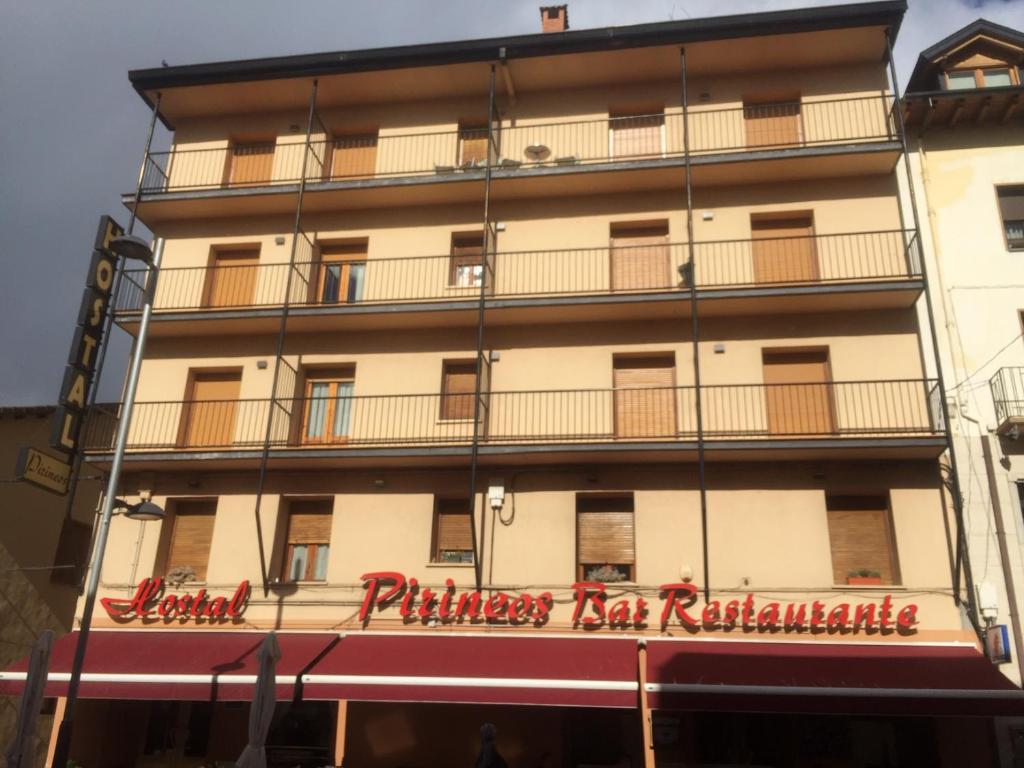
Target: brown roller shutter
645,396
783,250
208,415
453,528
860,532
772,123
232,278
458,387
604,531
309,522
473,144
637,135
251,163
798,394
191,536
640,259
354,155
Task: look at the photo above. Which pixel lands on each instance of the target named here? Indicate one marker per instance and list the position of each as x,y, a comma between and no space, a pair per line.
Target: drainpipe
1004,552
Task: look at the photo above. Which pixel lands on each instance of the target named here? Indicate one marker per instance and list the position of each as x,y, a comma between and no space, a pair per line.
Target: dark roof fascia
886,12
964,92
925,65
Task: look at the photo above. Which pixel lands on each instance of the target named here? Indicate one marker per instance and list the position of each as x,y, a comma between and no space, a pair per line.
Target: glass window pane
332,280
297,566
959,81
356,276
342,409
317,409
320,567
1015,231
996,78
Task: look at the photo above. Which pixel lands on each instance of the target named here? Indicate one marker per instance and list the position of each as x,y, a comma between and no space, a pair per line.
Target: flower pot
864,580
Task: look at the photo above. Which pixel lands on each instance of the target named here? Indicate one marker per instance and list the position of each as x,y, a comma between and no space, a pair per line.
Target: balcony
863,270
822,138
851,419
1007,388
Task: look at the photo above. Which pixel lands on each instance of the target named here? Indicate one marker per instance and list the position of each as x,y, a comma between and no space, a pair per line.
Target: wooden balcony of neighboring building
1007,388
753,143
764,275
857,419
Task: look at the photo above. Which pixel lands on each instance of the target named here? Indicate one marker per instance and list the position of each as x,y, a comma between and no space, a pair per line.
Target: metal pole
108,325
695,333
279,354
61,751
488,245
963,558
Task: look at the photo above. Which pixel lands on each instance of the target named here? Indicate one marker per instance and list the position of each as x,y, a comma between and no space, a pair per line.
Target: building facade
581,371
964,115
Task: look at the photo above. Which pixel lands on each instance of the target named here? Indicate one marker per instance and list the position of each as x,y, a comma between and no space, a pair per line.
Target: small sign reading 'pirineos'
43,470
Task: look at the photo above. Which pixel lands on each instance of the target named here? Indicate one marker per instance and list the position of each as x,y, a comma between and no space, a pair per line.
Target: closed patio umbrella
21,752
262,711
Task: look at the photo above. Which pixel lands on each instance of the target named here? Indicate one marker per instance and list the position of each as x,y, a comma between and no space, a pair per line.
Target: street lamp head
143,511
133,248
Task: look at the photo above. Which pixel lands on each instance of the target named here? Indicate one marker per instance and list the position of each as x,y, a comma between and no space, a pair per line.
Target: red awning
477,668
854,678
182,664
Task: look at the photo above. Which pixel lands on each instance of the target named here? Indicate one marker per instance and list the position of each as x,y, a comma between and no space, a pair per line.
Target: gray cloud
72,129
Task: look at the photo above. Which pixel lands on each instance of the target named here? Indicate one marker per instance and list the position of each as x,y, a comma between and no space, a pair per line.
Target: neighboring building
42,550
424,324
965,123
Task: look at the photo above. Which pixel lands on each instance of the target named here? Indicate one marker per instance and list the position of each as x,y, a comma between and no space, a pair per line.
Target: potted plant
864,576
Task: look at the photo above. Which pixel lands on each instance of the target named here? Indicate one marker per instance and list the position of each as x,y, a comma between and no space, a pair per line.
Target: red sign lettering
149,597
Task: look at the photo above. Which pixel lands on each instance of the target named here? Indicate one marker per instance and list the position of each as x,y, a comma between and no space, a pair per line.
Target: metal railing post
279,352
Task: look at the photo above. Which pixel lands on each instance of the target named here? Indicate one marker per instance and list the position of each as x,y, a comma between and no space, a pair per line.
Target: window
640,256
353,155
861,537
341,273
772,122
798,391
308,541
783,247
188,545
1011,210
472,144
458,387
466,267
453,532
328,412
605,548
73,551
984,77
645,396
231,278
639,133
250,162
210,407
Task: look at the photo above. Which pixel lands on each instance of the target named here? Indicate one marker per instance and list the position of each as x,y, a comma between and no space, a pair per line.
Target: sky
72,130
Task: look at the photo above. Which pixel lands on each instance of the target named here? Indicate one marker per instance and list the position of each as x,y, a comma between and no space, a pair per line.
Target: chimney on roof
554,18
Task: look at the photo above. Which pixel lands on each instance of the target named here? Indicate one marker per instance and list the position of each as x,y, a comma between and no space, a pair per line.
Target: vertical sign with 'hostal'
81,367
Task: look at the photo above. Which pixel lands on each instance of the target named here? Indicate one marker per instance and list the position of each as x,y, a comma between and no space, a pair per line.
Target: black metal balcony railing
878,409
523,145
820,259
1007,387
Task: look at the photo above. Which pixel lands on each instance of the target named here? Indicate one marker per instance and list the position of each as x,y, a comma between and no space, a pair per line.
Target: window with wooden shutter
473,144
191,534
353,155
466,265
862,542
772,122
637,134
640,256
1011,210
458,387
231,278
251,162
341,273
605,541
453,532
308,540
645,396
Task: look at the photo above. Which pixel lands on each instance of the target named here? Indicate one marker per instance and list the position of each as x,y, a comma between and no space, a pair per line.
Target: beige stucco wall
978,293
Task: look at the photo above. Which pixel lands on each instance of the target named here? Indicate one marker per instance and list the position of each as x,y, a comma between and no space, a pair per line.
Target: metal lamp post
129,247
